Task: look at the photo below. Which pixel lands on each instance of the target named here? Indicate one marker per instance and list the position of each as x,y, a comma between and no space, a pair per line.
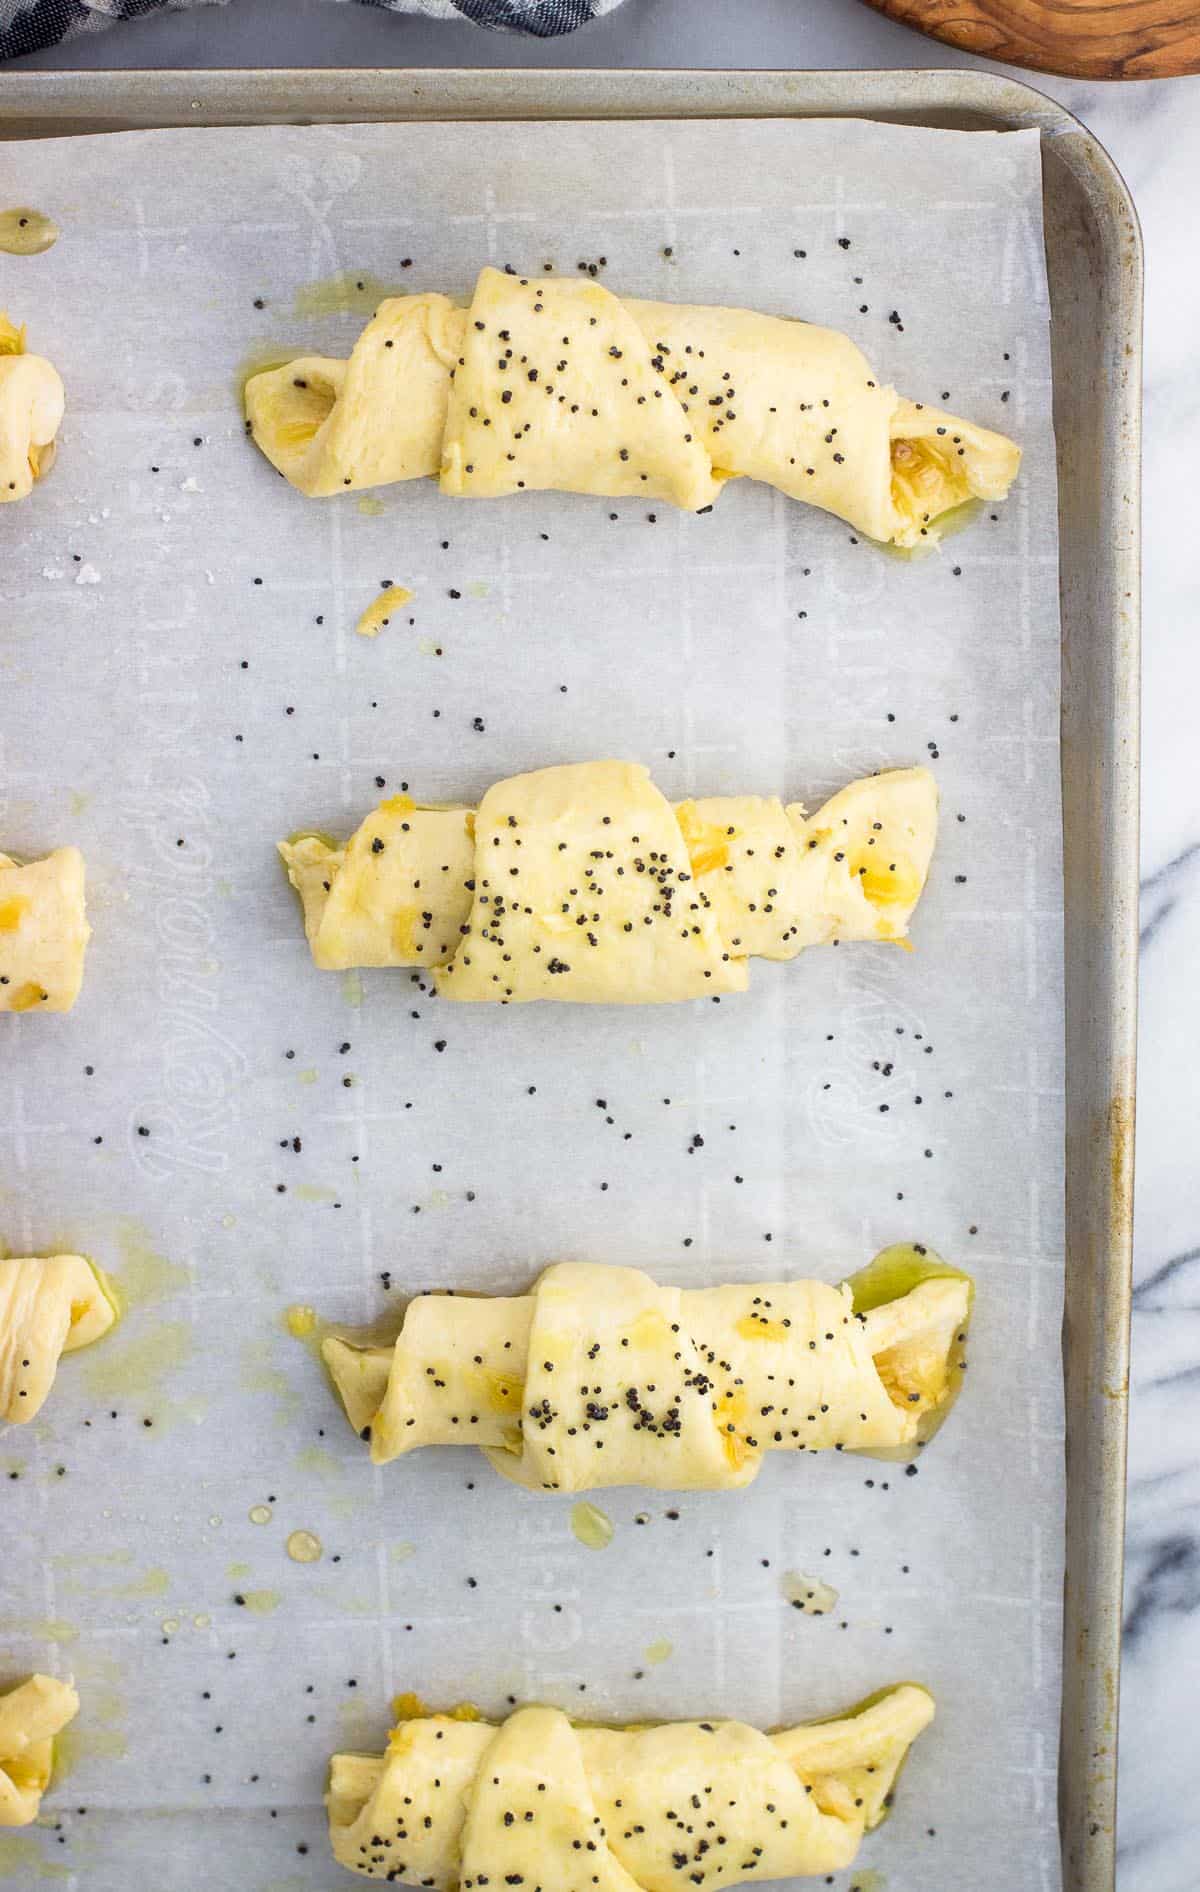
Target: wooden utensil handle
1127,39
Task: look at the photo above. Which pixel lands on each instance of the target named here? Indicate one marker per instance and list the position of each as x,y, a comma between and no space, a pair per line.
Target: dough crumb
379,611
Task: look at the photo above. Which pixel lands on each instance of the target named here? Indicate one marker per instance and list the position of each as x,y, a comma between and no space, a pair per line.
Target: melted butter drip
259,1602
260,1375
660,1651
300,1321
319,1463
593,1527
17,1850
25,232
260,1514
351,291
146,1276
808,1594
304,1547
141,1365
42,1629
77,1744
155,1582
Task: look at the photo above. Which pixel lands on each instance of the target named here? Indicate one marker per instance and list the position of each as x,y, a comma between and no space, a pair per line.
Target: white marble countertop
1153,132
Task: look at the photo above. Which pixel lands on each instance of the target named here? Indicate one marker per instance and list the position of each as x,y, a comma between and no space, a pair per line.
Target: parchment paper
231,1132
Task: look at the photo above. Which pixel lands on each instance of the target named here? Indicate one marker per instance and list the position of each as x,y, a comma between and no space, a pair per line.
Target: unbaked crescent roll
582,882
49,1305
43,931
543,1803
31,410
30,1717
600,1376
558,384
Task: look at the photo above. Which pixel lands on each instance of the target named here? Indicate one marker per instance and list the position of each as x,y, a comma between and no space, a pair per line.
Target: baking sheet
680,642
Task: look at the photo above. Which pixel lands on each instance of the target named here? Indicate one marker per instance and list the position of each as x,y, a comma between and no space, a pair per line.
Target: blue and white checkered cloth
28,25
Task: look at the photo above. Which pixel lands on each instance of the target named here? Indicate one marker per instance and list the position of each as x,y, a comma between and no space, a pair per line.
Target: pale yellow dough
556,383
602,1377
49,1305
32,401
582,883
540,1802
30,1717
43,931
